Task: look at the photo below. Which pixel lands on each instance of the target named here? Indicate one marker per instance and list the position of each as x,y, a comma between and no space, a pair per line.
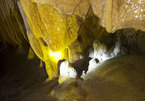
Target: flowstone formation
63,29
54,28
118,14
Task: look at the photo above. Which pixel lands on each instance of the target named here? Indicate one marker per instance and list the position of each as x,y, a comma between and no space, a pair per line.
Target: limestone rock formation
117,79
56,29
118,14
66,26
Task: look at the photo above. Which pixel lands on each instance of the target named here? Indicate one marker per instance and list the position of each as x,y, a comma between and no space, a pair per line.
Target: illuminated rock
69,7
118,79
66,26
118,14
56,29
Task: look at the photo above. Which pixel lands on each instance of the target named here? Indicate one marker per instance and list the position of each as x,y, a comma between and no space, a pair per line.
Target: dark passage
20,77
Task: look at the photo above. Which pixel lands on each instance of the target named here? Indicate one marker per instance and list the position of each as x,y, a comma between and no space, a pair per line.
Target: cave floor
22,79
117,79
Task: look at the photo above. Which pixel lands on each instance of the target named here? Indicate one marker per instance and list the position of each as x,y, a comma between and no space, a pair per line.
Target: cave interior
72,50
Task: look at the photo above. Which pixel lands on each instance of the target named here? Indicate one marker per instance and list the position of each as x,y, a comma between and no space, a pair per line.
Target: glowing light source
56,55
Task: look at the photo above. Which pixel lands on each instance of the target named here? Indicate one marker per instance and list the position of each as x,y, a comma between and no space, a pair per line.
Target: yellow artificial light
56,55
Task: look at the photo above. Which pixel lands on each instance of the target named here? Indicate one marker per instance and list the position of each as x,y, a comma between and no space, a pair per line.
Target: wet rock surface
118,14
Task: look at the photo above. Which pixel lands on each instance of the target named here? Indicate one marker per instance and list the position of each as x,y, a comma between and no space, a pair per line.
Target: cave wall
67,26
118,14
11,23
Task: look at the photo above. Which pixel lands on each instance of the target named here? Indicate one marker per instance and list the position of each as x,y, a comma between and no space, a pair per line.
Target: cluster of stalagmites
69,26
